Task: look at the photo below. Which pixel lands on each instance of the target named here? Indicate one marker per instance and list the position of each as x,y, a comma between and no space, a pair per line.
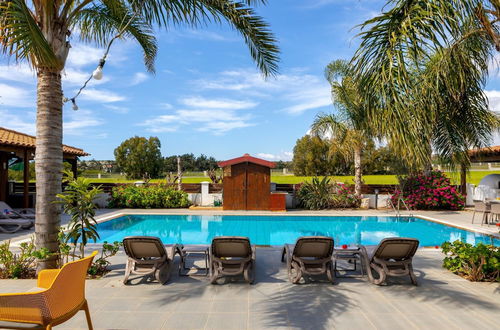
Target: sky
207,96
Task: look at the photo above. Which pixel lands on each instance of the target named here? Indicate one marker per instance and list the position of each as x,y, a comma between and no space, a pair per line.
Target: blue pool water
277,230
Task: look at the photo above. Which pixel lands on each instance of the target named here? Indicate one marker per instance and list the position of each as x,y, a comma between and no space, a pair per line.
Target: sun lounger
147,256
10,226
9,212
311,255
230,256
392,257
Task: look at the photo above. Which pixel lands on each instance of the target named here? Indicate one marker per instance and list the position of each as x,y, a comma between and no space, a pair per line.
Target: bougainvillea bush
322,194
431,191
148,197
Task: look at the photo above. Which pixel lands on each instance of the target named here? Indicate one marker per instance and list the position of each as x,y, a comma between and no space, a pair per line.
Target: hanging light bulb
75,107
97,74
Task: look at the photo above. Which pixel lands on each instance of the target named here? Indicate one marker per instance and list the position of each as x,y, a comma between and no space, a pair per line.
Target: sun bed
311,255
59,295
10,226
392,257
147,256
231,256
9,212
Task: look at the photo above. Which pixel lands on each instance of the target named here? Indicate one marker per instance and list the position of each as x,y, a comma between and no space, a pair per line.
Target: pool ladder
396,208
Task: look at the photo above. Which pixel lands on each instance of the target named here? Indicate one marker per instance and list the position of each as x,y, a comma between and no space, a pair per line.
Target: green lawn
473,177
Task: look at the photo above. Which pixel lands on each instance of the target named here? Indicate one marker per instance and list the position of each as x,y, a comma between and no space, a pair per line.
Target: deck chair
481,207
231,256
392,257
311,255
59,296
10,226
9,212
147,256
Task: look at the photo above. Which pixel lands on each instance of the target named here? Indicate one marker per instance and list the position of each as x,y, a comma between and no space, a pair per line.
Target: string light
97,74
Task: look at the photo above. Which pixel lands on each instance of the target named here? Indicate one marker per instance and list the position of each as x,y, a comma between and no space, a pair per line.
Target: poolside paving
442,300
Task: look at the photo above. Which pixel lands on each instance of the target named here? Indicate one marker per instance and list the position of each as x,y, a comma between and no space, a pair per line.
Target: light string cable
97,74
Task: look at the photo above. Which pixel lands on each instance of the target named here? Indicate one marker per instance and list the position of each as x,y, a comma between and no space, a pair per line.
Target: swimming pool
277,230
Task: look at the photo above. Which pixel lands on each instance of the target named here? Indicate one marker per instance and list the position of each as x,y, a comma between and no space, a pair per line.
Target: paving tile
258,321
389,321
186,321
230,306
194,305
349,320
227,321
431,321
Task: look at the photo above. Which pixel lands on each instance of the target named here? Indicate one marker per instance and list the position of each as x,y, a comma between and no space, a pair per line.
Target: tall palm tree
38,32
350,129
425,64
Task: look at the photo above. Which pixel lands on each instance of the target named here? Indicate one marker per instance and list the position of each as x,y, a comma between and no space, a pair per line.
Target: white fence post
205,196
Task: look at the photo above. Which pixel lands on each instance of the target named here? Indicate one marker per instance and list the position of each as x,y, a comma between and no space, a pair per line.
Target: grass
474,177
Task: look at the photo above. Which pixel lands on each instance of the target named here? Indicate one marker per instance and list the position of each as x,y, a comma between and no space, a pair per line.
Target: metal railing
396,208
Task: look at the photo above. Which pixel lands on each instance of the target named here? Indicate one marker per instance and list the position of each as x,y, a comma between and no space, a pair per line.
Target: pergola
22,146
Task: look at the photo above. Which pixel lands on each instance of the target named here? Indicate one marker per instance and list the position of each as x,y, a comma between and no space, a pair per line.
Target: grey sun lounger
13,214
392,257
10,226
311,255
147,256
231,256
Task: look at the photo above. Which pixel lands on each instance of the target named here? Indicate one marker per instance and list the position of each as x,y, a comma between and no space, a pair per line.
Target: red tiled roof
18,139
247,158
485,151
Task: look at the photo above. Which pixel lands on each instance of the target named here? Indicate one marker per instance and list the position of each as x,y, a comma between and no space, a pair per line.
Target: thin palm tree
425,64
38,32
349,129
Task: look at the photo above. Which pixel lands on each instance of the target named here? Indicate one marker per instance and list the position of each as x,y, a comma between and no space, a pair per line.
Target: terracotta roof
247,158
488,151
18,139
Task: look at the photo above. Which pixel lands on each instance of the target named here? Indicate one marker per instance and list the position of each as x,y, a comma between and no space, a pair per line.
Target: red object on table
344,246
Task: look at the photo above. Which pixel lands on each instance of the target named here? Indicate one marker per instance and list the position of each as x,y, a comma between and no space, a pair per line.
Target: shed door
258,187
235,188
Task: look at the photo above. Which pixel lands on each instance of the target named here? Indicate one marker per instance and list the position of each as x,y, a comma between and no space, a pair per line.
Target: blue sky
207,95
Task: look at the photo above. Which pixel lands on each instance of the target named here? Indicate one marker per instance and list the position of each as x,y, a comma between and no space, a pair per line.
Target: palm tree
424,64
349,130
38,32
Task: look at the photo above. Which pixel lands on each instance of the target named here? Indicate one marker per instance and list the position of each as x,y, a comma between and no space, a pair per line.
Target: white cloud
117,109
139,77
20,73
493,99
16,96
74,76
101,95
299,90
80,121
81,55
200,102
208,119
166,106
284,155
18,122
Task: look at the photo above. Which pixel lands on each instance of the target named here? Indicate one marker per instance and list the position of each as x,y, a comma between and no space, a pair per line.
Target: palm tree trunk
357,171
48,163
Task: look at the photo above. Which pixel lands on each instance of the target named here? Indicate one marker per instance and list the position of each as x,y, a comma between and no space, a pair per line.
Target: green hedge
148,197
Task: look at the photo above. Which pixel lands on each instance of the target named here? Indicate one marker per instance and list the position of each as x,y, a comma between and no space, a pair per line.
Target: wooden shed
247,183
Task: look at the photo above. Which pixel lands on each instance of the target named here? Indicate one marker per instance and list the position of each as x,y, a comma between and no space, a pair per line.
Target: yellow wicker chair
61,295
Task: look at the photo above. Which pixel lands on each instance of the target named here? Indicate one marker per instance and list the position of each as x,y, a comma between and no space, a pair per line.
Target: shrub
475,263
429,192
321,194
148,197
19,265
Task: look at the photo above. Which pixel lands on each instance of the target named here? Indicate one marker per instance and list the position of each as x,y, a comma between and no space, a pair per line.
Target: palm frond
21,37
100,23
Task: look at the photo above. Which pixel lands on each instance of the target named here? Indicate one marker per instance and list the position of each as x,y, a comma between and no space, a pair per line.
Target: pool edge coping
123,212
